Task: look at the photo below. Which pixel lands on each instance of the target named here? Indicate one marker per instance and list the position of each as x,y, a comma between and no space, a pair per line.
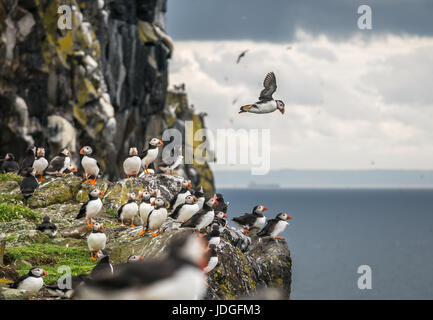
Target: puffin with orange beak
60,163
254,220
132,164
266,103
157,216
180,197
129,210
202,218
91,208
31,282
150,154
275,226
97,240
40,163
90,165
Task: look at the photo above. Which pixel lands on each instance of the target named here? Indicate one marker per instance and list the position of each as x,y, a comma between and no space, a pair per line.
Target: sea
335,231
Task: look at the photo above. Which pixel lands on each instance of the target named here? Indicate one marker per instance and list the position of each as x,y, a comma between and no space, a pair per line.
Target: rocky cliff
102,82
246,265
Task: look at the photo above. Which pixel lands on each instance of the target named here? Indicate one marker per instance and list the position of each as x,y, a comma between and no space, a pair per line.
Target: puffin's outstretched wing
270,84
267,230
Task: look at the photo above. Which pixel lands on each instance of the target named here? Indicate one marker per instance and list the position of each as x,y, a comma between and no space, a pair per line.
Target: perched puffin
266,103
168,168
220,219
29,157
202,218
129,210
67,290
29,183
213,259
104,268
176,275
222,205
31,282
275,226
40,163
145,206
96,240
180,198
213,237
256,219
60,163
186,210
92,207
135,258
132,164
47,227
9,164
90,165
157,216
150,154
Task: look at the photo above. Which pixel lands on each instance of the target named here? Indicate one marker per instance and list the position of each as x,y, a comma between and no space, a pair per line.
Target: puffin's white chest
181,199
31,284
129,210
93,207
90,165
264,107
259,223
279,228
157,218
96,241
40,164
215,240
150,157
132,165
213,261
187,211
145,209
206,220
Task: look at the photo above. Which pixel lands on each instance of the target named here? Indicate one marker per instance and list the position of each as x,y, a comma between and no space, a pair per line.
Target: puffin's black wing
176,211
82,212
246,220
194,220
119,212
56,164
270,84
267,230
19,280
144,153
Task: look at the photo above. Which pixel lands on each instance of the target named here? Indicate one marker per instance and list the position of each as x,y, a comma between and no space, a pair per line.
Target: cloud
347,103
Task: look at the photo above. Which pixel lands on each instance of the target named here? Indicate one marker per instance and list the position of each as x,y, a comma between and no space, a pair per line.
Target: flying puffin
90,165
176,275
40,163
169,168
202,218
266,103
186,210
180,198
157,216
60,163
92,207
104,268
213,259
128,210
47,227
256,219
29,183
96,240
132,164
31,282
29,157
275,226
150,154
9,164
145,206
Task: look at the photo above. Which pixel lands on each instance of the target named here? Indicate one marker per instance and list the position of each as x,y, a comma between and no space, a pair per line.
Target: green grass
10,177
112,213
9,212
50,257
10,199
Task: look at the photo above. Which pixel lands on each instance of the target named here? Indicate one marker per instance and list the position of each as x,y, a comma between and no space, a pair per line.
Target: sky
355,99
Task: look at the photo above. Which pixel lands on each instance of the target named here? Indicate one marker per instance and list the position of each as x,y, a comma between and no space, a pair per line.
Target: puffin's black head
95,193
145,195
221,215
190,199
65,152
98,227
155,142
199,192
30,171
134,258
9,156
46,219
284,216
159,203
259,209
37,272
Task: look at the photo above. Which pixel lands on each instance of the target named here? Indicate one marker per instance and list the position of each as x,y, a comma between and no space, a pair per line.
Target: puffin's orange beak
141,258
45,273
102,228
102,193
189,185
216,202
140,195
282,110
289,217
265,208
153,203
161,143
82,151
195,199
225,215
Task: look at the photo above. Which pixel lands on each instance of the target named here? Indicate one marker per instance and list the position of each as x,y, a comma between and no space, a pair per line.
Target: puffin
157,216
180,198
169,168
222,205
202,218
213,237
186,210
220,219
96,240
103,268
31,282
150,154
213,259
47,227
92,207
275,226
29,183
29,157
9,164
132,164
128,210
90,165
145,206
177,275
266,103
255,220
60,163
40,163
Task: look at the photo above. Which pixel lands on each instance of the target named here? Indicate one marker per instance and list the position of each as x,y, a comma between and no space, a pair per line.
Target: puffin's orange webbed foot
246,231
278,238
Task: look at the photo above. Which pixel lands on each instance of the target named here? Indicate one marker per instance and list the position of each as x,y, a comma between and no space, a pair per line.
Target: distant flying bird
241,56
266,103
